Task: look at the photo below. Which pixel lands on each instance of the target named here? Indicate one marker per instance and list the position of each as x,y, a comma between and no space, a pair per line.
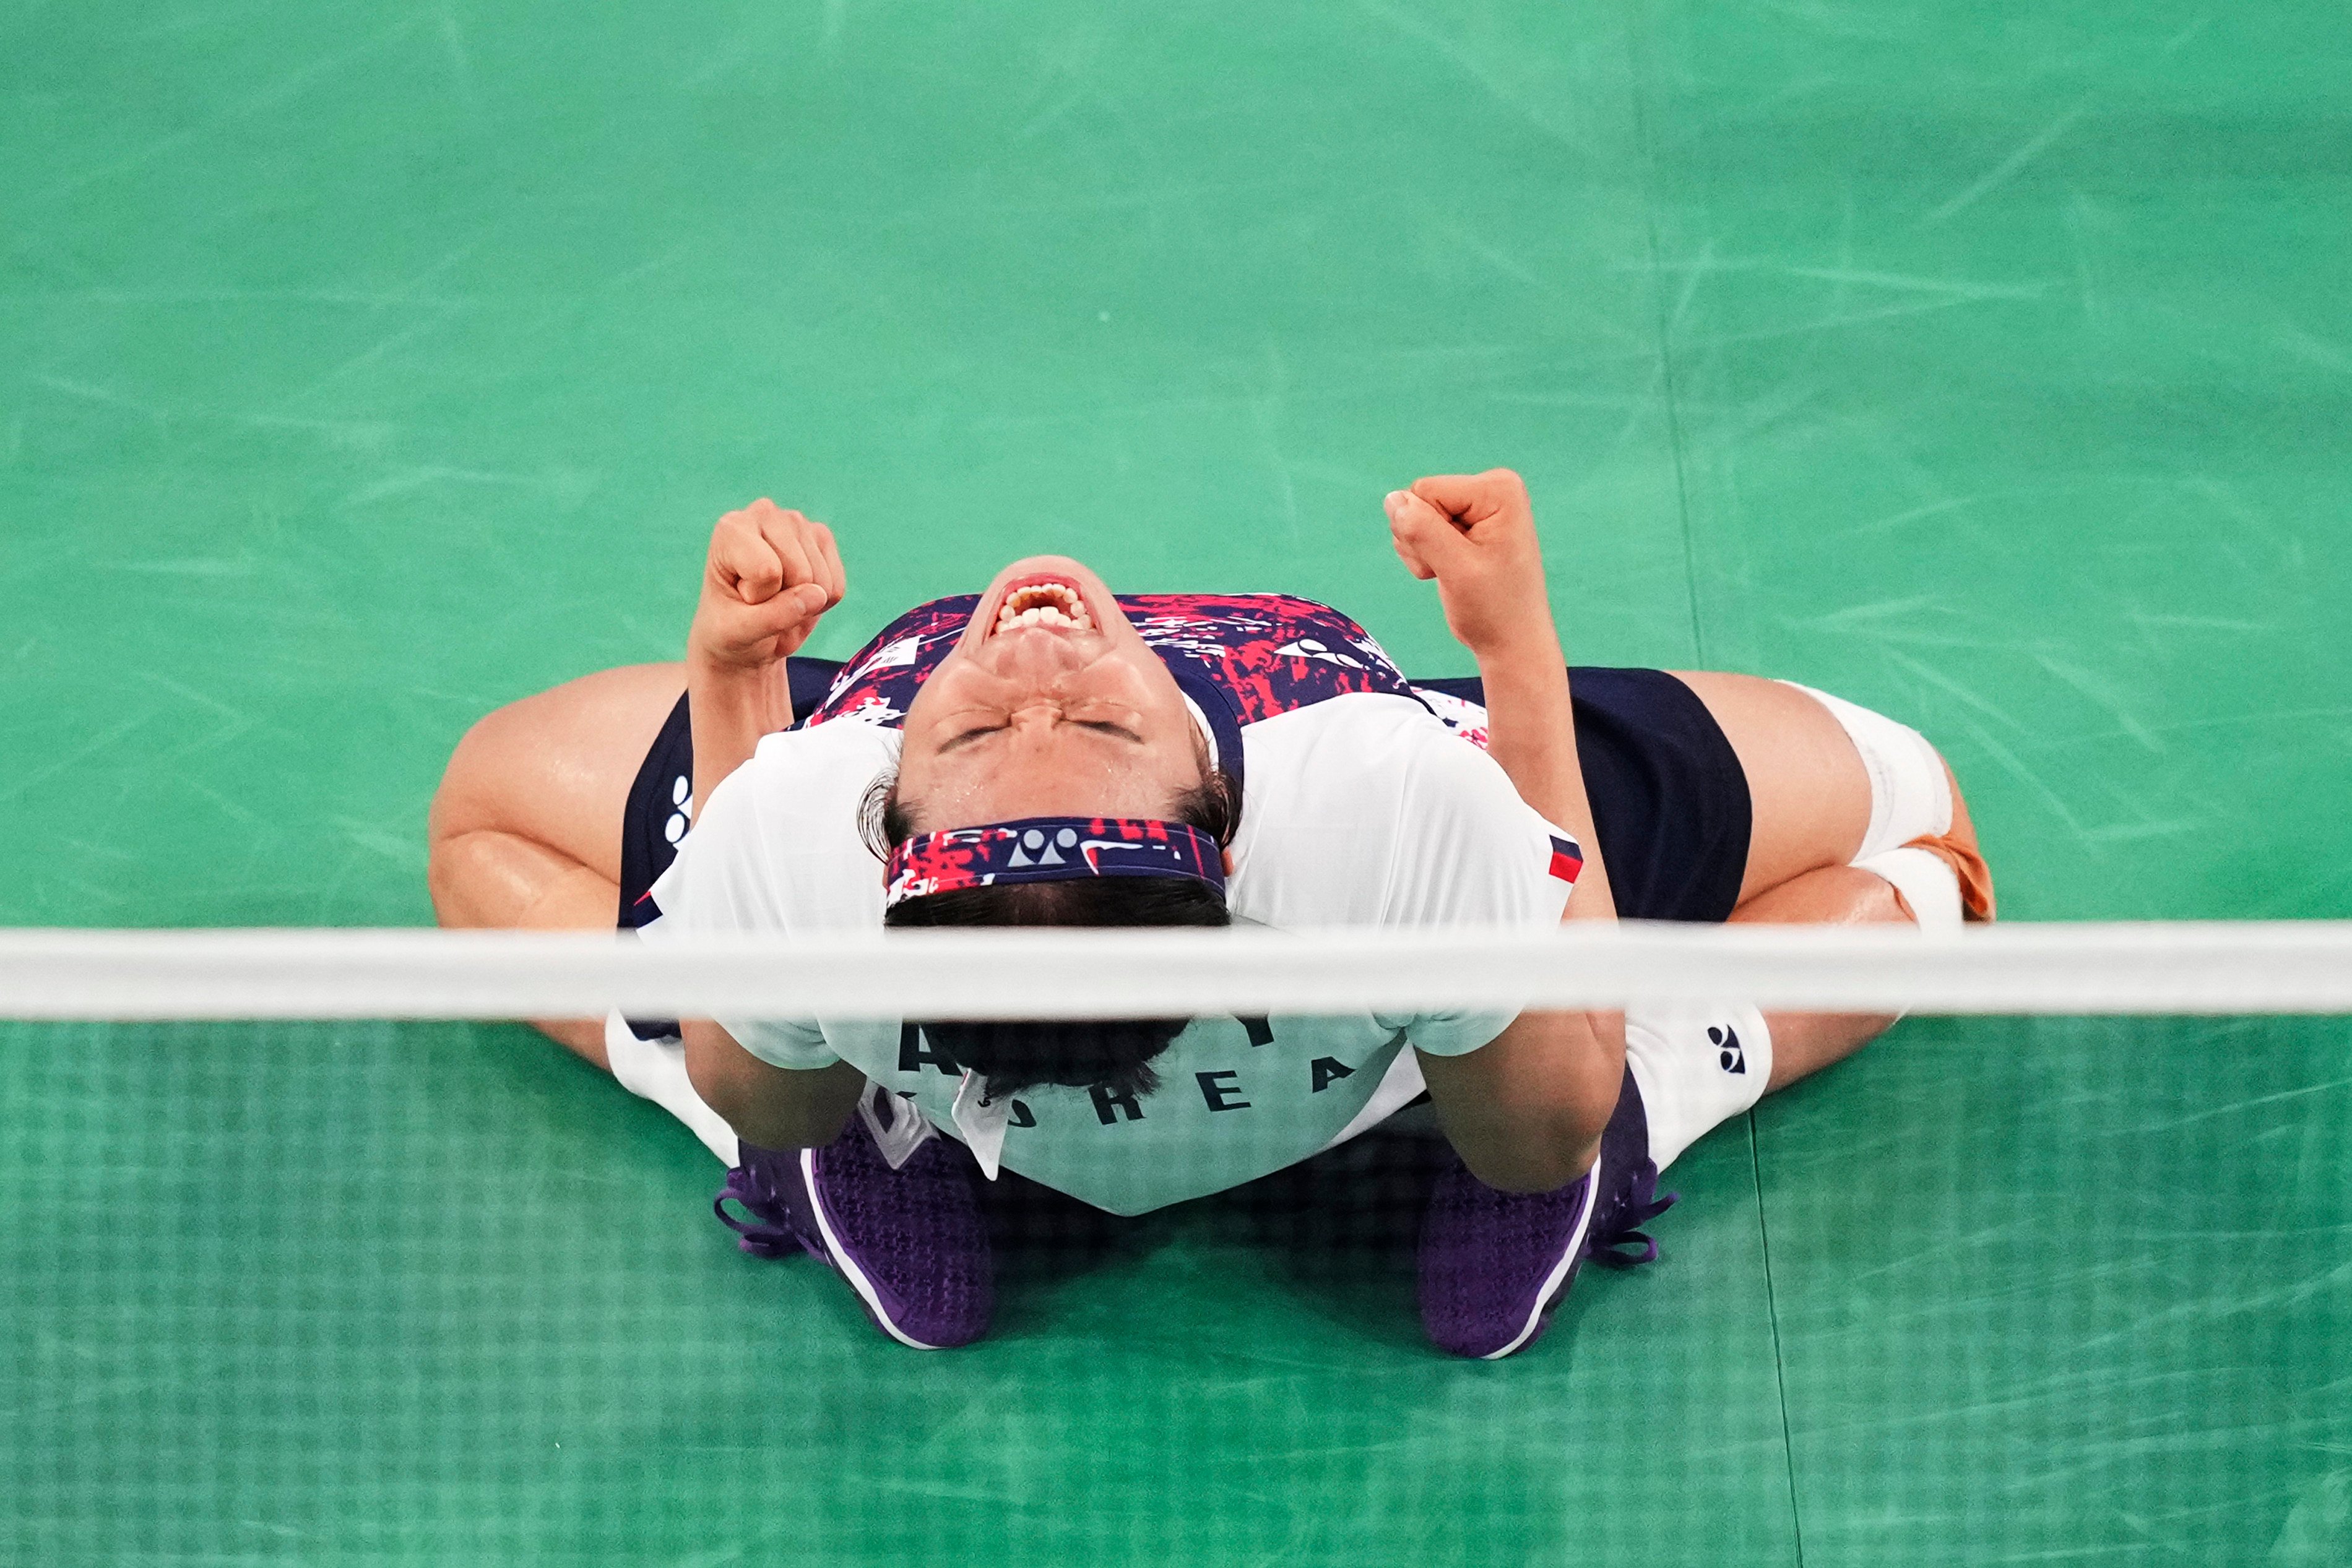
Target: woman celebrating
1048,752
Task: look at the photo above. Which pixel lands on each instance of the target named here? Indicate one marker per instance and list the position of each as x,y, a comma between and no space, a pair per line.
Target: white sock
1696,1069
654,1069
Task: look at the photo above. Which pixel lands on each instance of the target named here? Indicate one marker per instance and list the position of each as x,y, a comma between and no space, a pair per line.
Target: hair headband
1050,849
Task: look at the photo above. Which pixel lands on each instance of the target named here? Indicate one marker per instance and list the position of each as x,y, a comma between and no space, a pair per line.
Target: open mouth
1052,603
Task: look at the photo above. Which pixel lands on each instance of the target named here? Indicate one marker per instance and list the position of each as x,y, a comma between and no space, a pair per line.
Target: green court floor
364,366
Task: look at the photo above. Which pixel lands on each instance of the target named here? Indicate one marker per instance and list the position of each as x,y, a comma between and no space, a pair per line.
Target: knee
452,825
458,865
464,824
466,800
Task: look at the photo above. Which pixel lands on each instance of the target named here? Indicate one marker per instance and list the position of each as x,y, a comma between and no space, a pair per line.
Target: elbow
726,1078
754,1122
714,1066
1532,1174
768,1107
1544,1159
725,1094
1526,1111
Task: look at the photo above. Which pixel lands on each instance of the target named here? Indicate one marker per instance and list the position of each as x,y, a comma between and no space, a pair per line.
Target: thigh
1807,787
556,767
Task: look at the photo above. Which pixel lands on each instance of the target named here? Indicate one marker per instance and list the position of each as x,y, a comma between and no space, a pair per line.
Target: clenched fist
1475,533
770,574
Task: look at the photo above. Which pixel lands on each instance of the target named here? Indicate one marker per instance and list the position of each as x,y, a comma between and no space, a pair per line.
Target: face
1048,706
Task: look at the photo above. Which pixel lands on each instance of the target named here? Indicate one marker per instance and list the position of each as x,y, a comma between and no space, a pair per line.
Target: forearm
1532,732
730,707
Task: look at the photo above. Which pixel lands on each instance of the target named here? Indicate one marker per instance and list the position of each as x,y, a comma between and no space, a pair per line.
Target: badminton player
1048,752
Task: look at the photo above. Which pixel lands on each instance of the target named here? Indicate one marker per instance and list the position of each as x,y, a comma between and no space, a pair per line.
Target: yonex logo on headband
1050,849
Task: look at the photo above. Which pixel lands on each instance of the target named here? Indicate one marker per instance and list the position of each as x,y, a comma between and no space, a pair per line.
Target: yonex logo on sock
1727,1039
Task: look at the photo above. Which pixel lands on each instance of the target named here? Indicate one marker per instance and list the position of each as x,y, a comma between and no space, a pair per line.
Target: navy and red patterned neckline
1240,657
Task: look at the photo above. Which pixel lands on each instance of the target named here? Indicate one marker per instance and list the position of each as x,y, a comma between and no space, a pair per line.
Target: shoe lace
1613,1240
762,1234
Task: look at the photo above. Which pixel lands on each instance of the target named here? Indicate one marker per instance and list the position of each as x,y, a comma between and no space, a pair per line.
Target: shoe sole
846,1266
1555,1284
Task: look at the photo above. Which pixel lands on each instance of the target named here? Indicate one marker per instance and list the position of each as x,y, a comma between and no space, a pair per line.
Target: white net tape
2236,968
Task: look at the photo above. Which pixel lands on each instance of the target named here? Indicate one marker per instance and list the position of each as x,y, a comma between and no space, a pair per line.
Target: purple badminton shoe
1495,1266
889,1206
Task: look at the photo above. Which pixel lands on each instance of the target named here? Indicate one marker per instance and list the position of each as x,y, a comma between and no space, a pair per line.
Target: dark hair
1115,1054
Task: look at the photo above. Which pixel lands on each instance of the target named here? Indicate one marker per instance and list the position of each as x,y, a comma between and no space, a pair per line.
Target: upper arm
1364,810
1523,1100
1377,816
776,850
1468,849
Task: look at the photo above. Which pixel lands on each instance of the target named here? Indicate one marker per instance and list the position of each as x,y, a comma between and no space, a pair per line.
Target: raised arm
769,575
1476,535
1526,1111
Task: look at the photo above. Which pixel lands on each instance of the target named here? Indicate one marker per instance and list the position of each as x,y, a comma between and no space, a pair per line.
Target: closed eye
973,734
1100,727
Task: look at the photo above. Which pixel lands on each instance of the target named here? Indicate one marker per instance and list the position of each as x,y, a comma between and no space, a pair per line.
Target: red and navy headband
1049,848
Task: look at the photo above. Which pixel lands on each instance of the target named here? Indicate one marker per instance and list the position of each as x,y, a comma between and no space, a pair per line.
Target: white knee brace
1910,797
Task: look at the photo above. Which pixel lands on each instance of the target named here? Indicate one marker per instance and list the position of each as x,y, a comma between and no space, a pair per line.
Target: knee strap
1910,793
1925,883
